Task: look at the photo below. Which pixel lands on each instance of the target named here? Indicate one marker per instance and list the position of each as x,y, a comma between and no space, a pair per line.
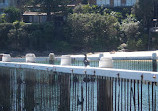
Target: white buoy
30,57
51,58
65,60
6,58
105,62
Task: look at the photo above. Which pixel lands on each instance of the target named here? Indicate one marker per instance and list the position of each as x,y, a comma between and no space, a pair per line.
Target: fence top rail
142,55
38,59
107,72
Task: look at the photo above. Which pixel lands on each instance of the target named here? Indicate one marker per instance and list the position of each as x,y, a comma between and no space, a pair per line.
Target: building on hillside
34,17
6,3
116,3
109,3
39,17
76,2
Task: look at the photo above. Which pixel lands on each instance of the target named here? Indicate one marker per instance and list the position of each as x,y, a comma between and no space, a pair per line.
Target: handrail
81,58
107,72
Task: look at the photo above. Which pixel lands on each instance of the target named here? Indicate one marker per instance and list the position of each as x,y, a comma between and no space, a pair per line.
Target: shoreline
17,54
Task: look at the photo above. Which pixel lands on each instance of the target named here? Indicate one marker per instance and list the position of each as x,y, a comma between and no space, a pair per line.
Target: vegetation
86,28
12,14
93,32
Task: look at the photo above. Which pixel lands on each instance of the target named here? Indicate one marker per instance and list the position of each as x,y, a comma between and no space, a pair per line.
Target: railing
32,86
146,63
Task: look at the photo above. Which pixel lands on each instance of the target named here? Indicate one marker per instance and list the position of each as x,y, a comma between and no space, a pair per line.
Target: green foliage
90,9
2,18
145,11
84,1
134,45
82,9
89,28
49,6
130,28
93,31
133,34
20,36
122,46
12,14
4,30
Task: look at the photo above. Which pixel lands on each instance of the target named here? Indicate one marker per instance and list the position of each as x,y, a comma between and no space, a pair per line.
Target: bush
2,18
93,31
4,30
12,14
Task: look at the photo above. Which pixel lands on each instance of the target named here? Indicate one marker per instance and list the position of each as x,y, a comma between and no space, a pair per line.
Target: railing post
154,62
51,58
30,58
105,62
1,55
65,60
6,58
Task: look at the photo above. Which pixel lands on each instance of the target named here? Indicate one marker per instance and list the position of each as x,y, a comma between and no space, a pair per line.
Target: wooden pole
154,62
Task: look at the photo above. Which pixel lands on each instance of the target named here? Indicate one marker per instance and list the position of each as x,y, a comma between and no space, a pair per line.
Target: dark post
105,93
154,62
51,58
5,98
1,55
64,93
29,101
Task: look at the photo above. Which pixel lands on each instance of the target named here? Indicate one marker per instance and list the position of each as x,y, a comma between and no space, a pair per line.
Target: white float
6,58
65,60
30,57
105,62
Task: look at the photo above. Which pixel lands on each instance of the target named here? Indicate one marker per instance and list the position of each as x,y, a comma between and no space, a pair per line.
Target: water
36,90
23,89
139,65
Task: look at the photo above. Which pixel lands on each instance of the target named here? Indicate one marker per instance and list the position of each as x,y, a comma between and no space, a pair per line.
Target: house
40,17
7,3
116,3
109,3
34,17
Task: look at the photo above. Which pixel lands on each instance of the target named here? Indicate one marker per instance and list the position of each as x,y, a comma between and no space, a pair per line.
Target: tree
12,14
22,4
131,33
145,11
93,31
2,18
84,1
52,6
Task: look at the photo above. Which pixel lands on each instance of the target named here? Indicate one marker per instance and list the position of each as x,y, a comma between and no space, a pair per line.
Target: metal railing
68,88
146,63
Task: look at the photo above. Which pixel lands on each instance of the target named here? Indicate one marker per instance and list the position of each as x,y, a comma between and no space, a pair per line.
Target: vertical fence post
51,58
1,55
65,60
154,62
